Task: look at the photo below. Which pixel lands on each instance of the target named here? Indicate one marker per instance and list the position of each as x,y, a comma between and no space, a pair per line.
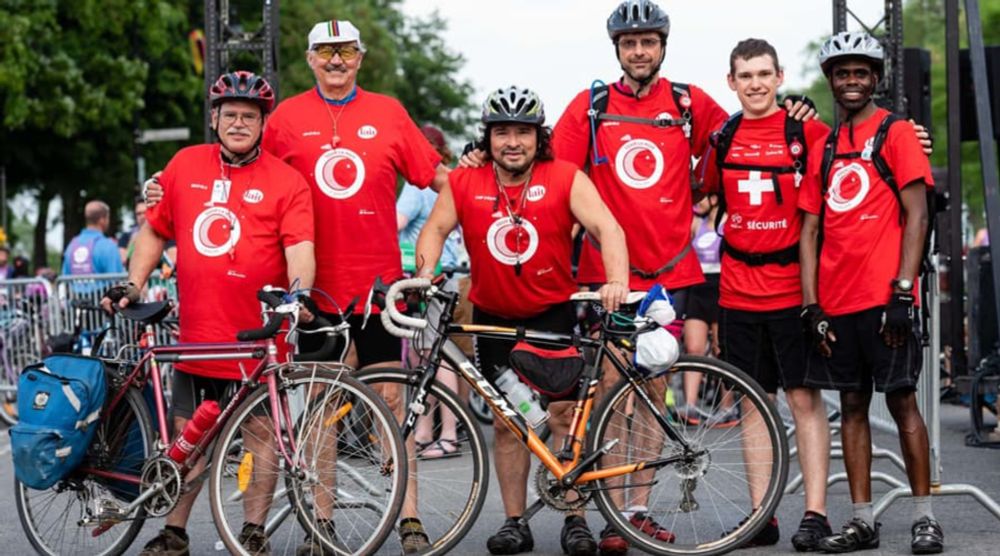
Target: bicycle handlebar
325,352
283,310
267,331
632,297
391,315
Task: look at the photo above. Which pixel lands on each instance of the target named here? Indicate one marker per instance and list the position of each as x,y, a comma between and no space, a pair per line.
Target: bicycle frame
265,351
571,466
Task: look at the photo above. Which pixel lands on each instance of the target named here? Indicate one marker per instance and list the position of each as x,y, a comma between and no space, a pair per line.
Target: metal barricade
24,319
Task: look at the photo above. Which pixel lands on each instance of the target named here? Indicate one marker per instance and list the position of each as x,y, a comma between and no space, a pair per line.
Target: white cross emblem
755,186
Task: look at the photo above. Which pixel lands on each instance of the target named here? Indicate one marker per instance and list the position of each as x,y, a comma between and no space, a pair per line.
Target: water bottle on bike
204,417
523,398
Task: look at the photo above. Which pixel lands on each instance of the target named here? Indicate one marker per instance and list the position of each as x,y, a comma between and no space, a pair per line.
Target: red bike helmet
242,85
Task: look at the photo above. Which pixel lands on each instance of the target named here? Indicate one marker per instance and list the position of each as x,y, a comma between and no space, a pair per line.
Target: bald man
91,252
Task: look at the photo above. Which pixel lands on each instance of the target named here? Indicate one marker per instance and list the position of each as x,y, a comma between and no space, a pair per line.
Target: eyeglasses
347,52
247,117
632,44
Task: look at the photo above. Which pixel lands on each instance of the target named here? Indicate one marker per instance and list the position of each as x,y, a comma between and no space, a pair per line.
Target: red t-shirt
756,222
232,242
862,236
353,183
543,244
646,181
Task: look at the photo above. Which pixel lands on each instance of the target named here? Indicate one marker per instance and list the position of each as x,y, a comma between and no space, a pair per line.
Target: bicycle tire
315,416
723,518
447,509
73,497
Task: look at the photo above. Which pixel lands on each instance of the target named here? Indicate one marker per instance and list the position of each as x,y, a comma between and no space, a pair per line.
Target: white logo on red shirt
848,188
339,173
212,222
536,192
639,164
506,247
253,196
755,186
367,132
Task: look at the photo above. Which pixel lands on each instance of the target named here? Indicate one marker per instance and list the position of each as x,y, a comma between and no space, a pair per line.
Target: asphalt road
969,529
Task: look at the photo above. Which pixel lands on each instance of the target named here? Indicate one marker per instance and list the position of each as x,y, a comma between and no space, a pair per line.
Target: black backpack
795,139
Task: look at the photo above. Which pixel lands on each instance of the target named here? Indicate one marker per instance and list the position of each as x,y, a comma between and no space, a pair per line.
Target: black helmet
513,104
637,16
242,85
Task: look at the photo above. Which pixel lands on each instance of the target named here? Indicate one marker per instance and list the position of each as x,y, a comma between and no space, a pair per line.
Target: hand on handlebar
613,295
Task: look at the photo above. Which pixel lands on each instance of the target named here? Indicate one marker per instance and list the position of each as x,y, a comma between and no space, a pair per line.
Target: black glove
815,324
796,98
897,319
123,289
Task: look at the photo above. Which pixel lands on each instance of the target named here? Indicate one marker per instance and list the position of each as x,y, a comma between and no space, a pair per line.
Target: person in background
91,251
6,269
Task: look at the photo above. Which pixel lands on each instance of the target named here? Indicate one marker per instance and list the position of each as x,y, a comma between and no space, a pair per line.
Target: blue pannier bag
59,401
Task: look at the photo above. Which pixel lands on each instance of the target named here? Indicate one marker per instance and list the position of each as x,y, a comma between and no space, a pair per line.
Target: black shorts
493,354
374,344
188,391
703,300
860,357
768,346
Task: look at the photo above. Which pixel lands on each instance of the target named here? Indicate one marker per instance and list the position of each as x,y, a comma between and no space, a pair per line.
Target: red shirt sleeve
905,156
708,116
274,136
571,136
297,213
810,195
161,216
416,159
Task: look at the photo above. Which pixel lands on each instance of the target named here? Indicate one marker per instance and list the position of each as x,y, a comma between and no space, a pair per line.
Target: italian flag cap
335,31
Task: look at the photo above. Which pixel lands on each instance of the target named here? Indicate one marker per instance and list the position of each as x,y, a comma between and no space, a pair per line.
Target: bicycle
274,452
631,451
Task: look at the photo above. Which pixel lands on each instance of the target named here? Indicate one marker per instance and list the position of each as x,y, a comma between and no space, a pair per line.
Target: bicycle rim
360,493
449,490
702,505
62,519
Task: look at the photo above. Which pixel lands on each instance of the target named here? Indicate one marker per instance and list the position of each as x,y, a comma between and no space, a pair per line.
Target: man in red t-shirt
242,219
760,295
858,282
517,215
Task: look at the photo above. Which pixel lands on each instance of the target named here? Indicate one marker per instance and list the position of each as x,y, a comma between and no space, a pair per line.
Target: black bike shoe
812,528
513,538
576,539
167,543
855,535
928,538
768,536
253,539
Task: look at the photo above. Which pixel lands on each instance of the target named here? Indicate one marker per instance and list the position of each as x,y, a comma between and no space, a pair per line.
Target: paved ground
970,530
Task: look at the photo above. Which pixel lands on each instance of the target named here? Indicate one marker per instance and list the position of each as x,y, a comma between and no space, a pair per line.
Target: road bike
275,460
629,452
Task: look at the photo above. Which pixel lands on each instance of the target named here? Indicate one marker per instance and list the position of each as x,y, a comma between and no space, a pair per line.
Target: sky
558,47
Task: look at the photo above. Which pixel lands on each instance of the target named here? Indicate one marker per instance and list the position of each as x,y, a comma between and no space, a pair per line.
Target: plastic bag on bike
59,402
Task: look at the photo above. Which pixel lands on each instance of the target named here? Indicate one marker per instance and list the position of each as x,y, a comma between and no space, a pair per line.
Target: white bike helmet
513,104
856,44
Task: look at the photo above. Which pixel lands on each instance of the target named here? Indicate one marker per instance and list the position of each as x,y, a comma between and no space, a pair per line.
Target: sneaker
768,536
576,539
513,538
412,536
253,539
812,528
855,535
312,546
166,543
650,527
725,418
928,538
612,544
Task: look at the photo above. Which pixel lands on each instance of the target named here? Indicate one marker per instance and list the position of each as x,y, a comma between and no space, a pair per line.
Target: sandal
439,449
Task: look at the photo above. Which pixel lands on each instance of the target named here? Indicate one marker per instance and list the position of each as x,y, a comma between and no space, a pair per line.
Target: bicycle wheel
715,499
65,518
359,494
445,493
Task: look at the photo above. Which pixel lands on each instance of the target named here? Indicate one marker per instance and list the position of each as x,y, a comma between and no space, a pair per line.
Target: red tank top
518,270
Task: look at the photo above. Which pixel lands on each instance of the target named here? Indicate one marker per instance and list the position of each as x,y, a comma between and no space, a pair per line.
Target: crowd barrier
35,313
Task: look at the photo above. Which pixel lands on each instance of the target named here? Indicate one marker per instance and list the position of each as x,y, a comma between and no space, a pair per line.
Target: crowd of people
792,247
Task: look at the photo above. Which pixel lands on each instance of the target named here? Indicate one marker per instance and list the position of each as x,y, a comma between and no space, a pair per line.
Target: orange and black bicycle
667,483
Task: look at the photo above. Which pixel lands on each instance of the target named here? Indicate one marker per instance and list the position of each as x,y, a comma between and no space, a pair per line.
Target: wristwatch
903,285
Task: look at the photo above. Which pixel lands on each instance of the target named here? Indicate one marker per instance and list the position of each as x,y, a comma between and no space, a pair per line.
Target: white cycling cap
335,31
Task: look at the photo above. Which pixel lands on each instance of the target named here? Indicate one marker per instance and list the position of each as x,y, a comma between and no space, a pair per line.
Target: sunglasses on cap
347,52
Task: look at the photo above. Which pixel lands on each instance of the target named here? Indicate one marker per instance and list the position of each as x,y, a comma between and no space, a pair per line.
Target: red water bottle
204,417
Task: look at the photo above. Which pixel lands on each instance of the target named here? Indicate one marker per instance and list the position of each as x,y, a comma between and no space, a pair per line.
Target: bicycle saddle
147,313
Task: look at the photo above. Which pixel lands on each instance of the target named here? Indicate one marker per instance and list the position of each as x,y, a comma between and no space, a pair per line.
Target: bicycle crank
163,475
553,493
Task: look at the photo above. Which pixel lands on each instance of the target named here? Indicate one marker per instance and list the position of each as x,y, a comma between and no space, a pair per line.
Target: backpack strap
721,140
783,257
599,96
881,166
